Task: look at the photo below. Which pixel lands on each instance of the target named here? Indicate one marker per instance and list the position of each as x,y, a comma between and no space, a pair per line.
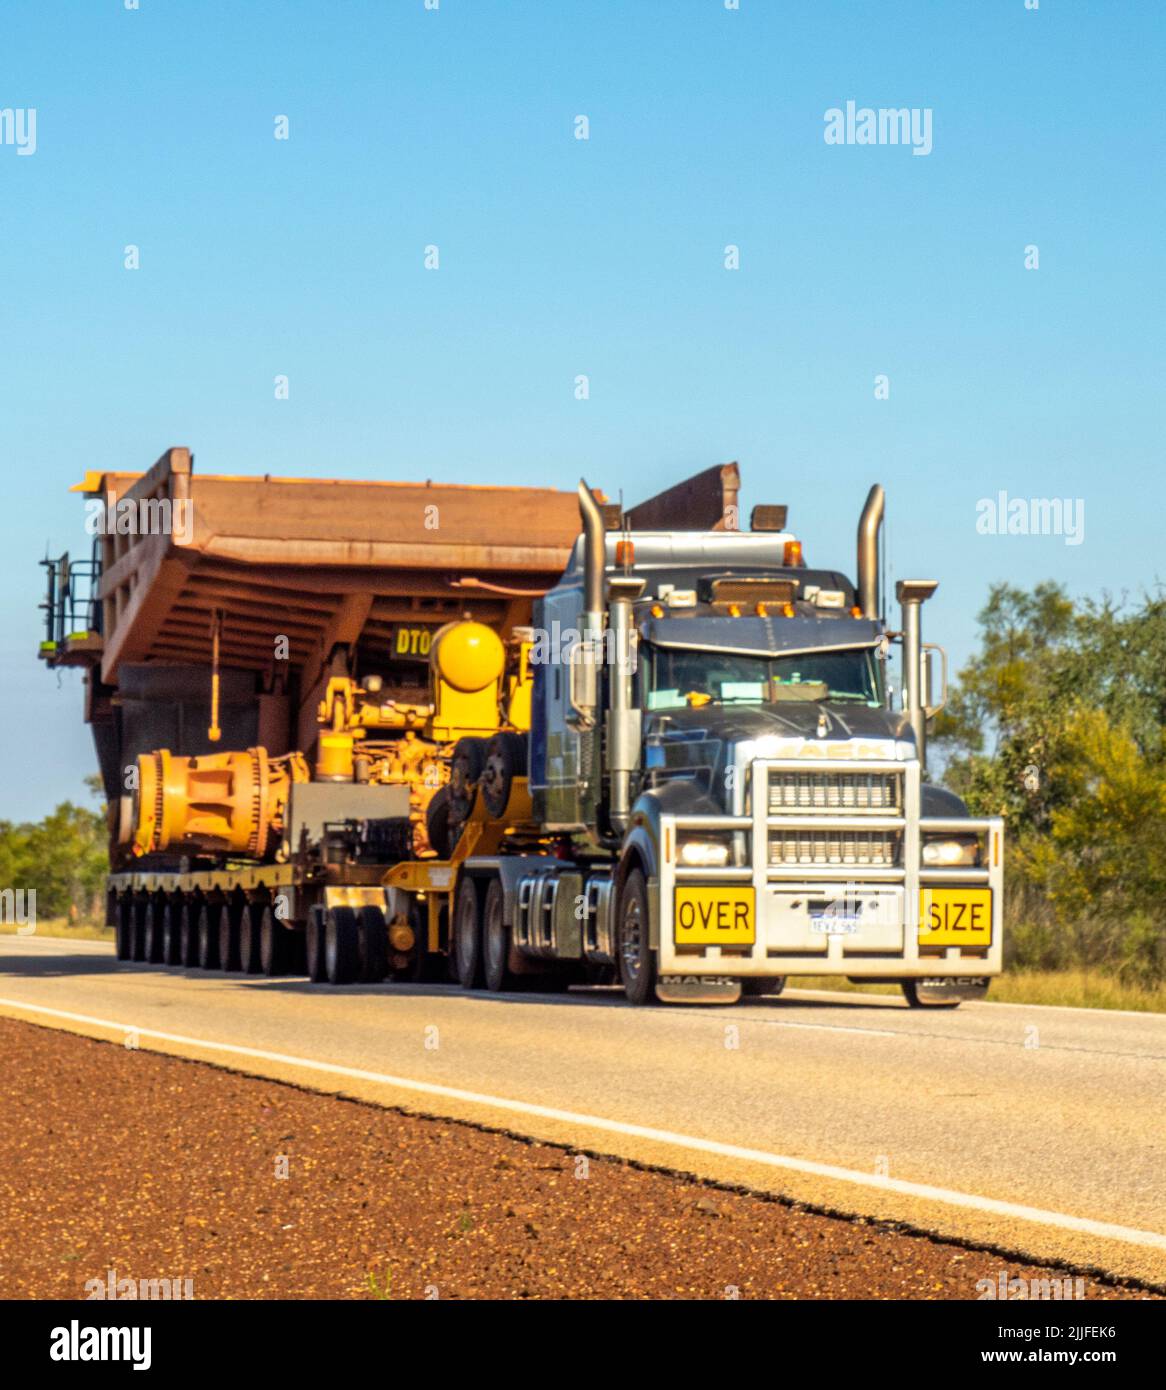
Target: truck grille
840,793
874,848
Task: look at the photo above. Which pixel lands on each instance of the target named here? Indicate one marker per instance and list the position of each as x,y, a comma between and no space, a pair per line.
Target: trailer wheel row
341,945
189,930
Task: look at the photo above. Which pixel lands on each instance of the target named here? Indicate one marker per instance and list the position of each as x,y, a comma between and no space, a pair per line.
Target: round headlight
950,854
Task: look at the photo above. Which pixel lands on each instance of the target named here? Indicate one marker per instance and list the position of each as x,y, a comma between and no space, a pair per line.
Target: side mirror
583,683
930,650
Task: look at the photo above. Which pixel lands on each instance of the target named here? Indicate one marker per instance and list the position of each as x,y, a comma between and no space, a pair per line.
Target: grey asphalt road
1040,1130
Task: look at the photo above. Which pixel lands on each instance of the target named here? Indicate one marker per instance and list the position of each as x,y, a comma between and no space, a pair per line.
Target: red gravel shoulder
159,1168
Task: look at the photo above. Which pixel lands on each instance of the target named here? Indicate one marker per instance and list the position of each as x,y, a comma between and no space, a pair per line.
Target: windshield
680,678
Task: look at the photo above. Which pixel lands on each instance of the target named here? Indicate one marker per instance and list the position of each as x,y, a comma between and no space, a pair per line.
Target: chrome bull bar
788,897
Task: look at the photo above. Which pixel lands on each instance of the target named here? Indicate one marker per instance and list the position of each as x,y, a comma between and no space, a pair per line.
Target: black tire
637,960
341,946
229,916
208,937
153,940
465,771
437,823
373,939
172,932
138,949
504,761
315,966
771,985
911,994
496,940
422,967
125,928
274,944
188,932
467,934
249,920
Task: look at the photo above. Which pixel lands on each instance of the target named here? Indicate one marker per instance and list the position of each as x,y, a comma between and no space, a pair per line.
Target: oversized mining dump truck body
262,683
211,619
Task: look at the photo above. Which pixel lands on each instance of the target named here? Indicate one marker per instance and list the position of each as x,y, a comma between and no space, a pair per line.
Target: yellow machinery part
334,757
467,661
226,803
416,763
521,691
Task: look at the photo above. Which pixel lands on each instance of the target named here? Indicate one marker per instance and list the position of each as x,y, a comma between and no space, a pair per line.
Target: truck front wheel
755,987
637,960
917,998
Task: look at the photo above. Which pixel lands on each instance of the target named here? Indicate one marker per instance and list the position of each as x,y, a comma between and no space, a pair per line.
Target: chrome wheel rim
631,939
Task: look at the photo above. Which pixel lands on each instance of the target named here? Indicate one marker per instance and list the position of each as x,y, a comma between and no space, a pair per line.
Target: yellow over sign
720,916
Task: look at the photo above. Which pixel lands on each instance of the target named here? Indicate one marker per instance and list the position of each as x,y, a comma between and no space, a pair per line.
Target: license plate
955,916
721,916
834,924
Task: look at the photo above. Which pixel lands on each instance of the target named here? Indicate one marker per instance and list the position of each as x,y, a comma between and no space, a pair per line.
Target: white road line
1102,1229
827,1027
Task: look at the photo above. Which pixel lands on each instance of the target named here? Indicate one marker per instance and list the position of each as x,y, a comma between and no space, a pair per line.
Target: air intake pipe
868,552
912,595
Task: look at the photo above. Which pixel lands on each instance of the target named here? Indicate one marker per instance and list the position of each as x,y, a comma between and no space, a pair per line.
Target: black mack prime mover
717,789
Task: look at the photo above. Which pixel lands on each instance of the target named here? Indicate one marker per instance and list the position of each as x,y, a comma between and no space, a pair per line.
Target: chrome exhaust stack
594,562
583,658
868,552
912,595
624,720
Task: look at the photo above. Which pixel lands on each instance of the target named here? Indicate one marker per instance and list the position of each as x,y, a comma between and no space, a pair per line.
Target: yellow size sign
955,917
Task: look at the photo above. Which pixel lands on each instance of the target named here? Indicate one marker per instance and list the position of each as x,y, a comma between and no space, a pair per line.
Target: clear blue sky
603,257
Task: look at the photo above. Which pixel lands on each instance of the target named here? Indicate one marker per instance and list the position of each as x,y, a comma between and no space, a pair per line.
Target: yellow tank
467,661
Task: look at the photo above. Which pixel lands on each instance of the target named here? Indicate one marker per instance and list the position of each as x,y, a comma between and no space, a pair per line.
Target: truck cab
724,790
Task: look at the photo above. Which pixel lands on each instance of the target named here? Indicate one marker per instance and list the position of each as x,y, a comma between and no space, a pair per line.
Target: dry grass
1079,989
61,926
